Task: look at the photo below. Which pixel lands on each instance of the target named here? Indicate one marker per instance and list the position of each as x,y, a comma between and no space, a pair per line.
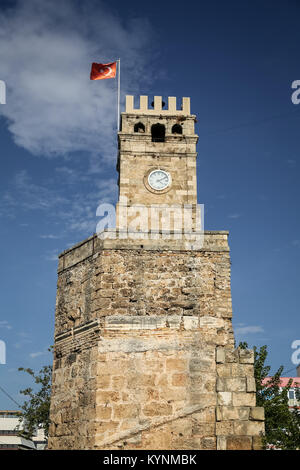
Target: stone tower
144,349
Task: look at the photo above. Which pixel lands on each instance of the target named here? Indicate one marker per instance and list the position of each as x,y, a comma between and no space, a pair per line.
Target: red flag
103,71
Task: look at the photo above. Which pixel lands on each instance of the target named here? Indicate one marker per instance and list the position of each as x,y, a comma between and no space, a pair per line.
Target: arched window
158,133
177,129
139,127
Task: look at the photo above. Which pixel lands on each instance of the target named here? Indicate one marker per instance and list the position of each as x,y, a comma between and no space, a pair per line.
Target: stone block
125,410
243,412
246,356
221,385
239,443
224,428
203,429
220,355
174,364
229,413
257,413
211,322
190,323
224,398
203,399
224,370
221,443
179,380
243,399
105,426
257,443
236,384
173,394
157,409
231,355
207,415
141,380
103,381
118,382
251,384
219,415
182,426
249,428
103,412
199,365
208,443
107,396
242,370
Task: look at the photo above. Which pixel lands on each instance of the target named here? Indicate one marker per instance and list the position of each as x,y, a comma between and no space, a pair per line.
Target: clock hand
165,177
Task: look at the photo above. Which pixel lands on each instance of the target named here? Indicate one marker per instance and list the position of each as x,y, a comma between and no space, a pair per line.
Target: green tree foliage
282,423
36,408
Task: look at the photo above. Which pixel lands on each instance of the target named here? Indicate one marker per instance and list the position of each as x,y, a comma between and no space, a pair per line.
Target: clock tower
156,162
144,354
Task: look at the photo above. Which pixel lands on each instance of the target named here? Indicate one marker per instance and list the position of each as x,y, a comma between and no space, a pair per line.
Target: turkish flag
103,71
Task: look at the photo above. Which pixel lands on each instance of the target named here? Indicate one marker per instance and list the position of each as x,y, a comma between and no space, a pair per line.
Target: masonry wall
144,350
139,155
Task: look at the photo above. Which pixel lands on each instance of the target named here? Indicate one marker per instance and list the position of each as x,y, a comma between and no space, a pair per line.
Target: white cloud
20,344
25,339
33,355
245,330
71,175
32,196
50,236
52,255
68,212
46,51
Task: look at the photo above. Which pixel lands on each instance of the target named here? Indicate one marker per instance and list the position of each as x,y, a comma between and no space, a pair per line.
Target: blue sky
236,60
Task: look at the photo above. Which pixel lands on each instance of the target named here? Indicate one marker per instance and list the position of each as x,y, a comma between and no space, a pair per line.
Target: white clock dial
159,179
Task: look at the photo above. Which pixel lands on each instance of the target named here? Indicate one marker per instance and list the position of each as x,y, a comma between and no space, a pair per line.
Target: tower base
144,350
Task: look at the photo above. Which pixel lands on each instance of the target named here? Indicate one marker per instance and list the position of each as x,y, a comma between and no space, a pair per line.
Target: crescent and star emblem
108,73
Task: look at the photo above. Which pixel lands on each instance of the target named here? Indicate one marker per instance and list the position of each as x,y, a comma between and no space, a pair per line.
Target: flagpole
118,107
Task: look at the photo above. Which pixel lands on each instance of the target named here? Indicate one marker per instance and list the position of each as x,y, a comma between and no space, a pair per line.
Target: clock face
159,179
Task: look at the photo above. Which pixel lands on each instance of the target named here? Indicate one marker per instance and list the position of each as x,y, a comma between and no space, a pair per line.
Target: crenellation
157,106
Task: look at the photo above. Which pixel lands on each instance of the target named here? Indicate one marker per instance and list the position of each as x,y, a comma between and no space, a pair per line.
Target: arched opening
139,127
158,132
177,129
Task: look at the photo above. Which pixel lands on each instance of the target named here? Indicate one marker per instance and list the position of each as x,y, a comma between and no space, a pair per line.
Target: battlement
157,106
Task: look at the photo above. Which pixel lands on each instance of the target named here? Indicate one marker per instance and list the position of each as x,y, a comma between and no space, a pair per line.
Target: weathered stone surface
239,443
221,443
249,428
257,443
224,398
232,413
257,413
146,366
144,352
243,399
220,355
224,428
246,356
251,385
